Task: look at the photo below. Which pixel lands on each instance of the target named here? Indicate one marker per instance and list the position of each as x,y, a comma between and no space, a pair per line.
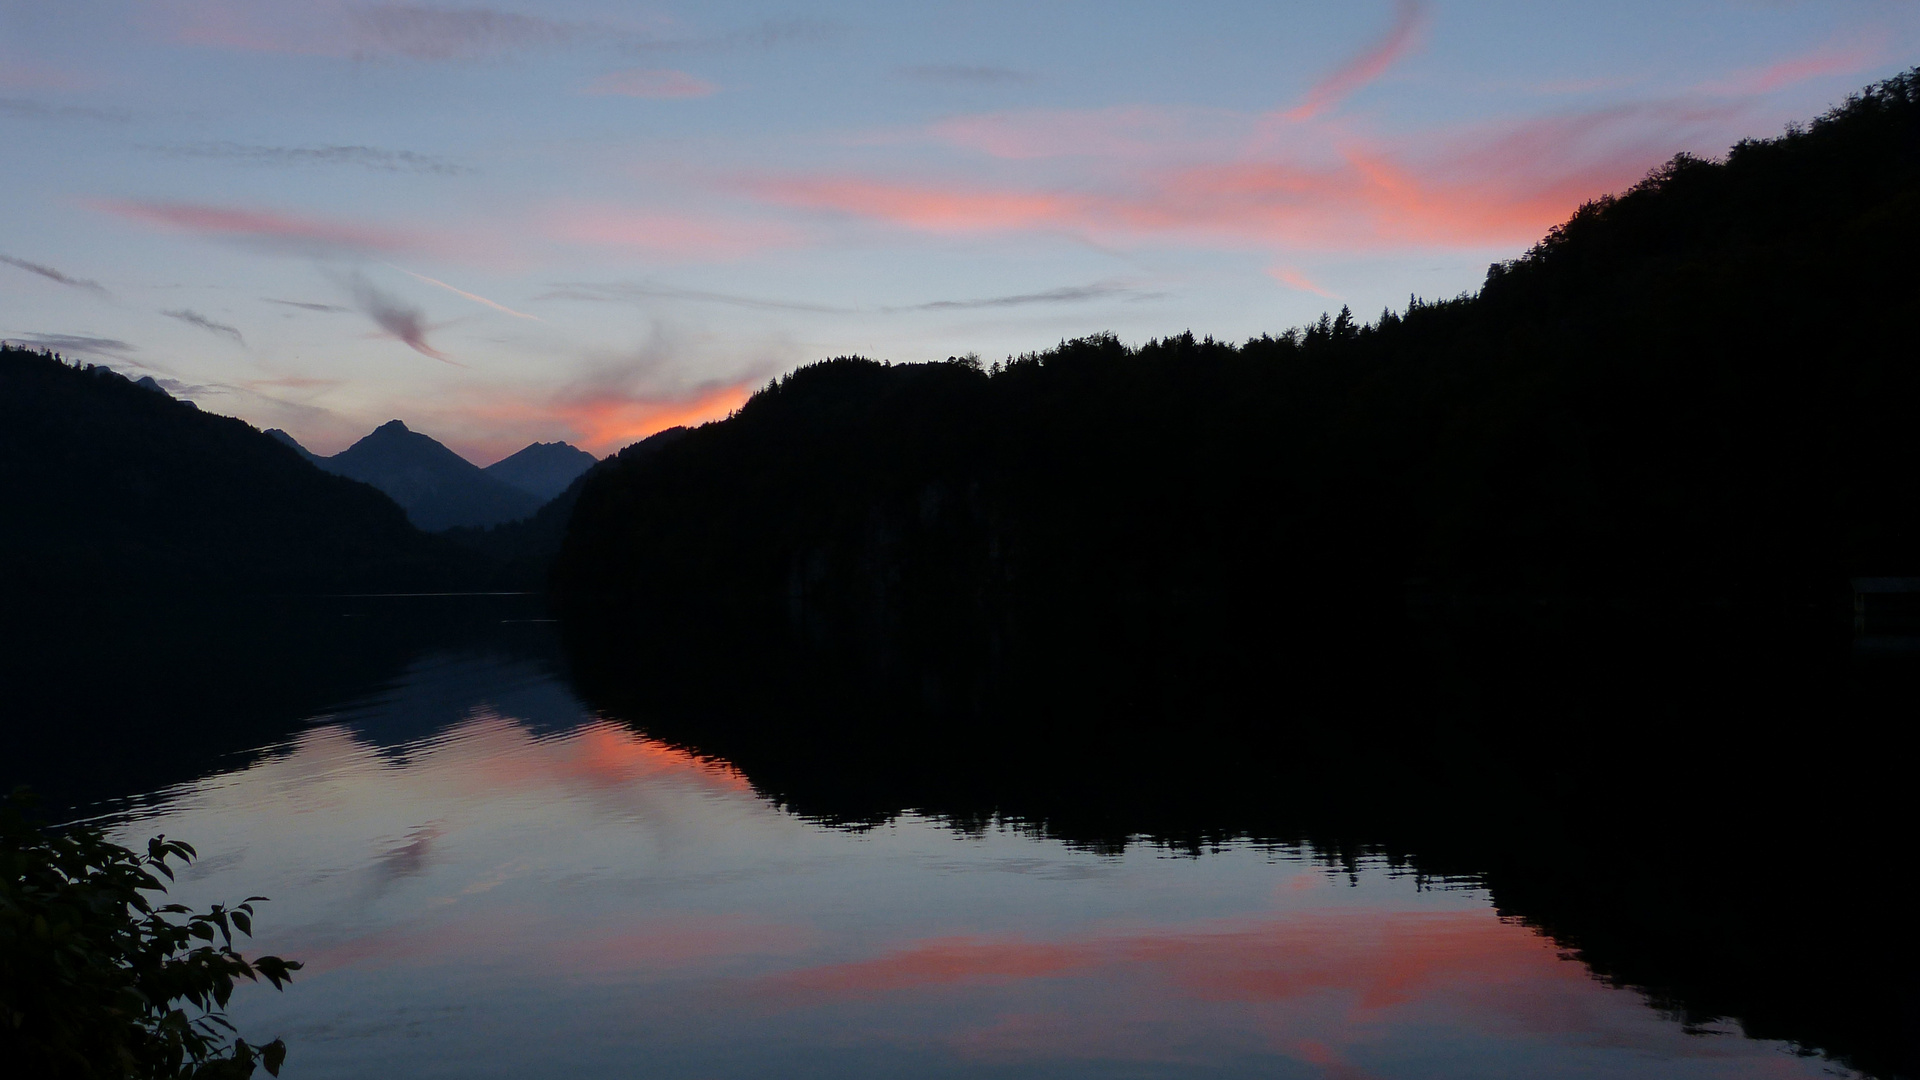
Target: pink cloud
1294,279
268,228
1827,60
1498,186
649,83
1400,39
931,207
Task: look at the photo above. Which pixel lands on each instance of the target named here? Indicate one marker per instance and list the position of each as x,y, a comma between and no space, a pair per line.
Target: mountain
542,470
110,487
436,487
289,440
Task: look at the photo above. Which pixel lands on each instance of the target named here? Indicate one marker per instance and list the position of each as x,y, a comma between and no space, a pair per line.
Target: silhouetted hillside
111,486
542,470
1702,389
1110,576
289,440
522,552
437,488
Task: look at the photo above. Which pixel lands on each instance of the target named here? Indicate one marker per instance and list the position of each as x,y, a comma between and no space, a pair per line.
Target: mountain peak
288,440
543,470
437,488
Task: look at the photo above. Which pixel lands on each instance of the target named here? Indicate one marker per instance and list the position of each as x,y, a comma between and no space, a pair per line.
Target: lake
486,876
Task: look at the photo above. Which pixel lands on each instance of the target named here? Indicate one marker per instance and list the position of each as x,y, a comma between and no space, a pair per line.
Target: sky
585,220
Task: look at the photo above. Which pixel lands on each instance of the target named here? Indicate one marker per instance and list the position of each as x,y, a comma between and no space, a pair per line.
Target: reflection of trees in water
109,697
1653,793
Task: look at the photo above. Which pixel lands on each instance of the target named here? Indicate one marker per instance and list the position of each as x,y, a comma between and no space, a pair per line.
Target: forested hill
1703,388
111,486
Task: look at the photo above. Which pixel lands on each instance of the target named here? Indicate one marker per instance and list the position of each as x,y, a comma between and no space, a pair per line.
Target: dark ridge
289,440
111,487
522,552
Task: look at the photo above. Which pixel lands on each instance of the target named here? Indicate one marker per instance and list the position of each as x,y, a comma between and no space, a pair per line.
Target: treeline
1701,390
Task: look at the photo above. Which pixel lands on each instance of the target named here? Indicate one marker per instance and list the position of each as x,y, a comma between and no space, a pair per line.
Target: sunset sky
586,220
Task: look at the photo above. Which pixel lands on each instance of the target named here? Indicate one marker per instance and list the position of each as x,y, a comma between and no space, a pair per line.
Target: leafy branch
98,979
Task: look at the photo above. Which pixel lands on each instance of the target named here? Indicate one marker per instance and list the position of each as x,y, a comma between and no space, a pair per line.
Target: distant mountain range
112,486
441,490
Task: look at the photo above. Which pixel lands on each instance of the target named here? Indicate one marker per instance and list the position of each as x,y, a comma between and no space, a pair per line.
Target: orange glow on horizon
606,424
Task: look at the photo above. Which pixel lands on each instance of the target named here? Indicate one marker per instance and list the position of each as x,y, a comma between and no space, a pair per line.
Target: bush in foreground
96,980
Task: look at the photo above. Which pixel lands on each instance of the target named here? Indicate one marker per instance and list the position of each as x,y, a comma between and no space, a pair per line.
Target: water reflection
487,879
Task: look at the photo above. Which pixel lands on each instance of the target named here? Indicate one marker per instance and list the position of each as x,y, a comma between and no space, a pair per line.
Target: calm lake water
485,878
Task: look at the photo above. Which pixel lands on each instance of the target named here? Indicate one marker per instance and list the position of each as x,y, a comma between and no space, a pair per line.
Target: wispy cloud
1071,294
1475,188
476,298
964,74
271,229
194,318
624,292
307,305
664,83
79,344
765,35
57,276
394,316
435,33
29,109
365,157
1829,59
1293,278
1408,21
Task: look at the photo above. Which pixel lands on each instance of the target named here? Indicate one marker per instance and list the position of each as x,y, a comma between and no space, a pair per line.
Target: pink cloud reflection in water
504,885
